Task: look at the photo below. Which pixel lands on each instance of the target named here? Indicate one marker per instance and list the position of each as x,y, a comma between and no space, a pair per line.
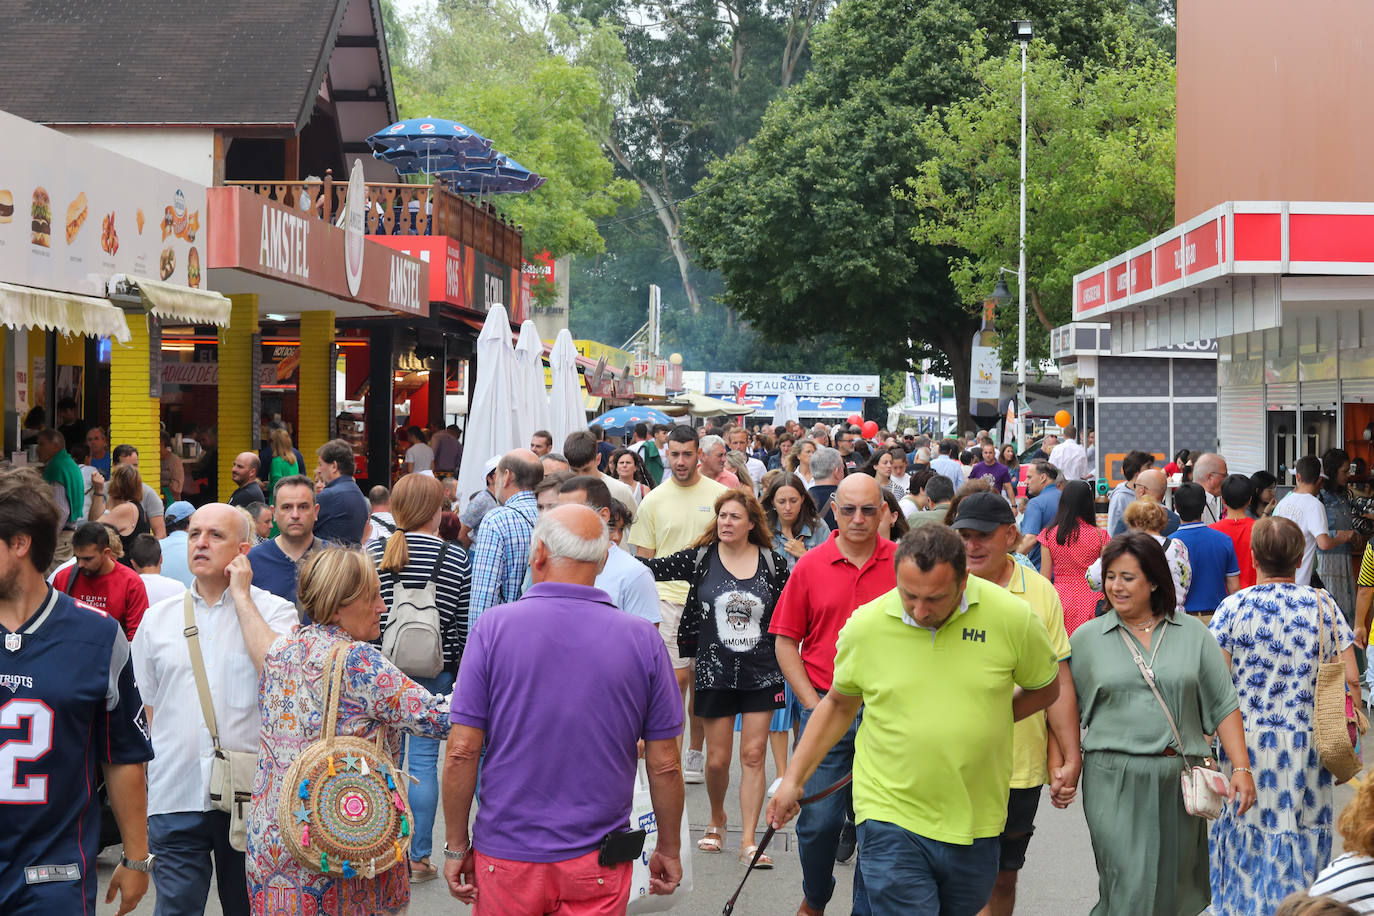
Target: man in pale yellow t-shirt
941,666
672,517
989,533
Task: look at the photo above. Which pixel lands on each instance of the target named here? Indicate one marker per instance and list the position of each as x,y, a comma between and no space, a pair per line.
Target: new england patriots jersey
68,703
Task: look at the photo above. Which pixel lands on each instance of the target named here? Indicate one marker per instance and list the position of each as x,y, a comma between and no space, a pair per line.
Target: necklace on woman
1143,628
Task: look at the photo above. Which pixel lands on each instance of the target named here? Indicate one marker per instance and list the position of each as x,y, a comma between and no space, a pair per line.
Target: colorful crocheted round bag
344,807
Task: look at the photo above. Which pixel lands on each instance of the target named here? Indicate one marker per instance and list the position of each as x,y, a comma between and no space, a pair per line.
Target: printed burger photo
41,232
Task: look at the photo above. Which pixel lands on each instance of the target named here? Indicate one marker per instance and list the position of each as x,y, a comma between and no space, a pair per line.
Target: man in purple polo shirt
995,471
561,740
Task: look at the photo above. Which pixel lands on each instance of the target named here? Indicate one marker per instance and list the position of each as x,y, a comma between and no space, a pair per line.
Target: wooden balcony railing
404,209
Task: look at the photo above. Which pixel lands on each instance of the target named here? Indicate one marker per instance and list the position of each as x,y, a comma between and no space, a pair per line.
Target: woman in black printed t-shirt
735,577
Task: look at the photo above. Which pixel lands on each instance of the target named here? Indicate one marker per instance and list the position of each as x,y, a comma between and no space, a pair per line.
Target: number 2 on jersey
34,789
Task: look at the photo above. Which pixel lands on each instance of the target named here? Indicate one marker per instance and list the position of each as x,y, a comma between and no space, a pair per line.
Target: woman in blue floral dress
1270,635
341,595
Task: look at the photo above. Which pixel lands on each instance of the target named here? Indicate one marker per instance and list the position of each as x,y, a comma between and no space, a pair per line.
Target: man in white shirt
628,581
946,465
236,624
380,524
1209,470
145,555
738,441
1069,456
580,450
1304,509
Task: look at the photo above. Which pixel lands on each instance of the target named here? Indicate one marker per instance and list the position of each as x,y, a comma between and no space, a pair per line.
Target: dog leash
768,835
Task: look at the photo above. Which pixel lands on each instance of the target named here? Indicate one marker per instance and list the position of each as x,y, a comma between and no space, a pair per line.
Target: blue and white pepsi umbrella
622,419
430,145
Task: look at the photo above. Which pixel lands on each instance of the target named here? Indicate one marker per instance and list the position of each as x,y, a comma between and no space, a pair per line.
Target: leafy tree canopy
1100,173
541,89
704,71
802,222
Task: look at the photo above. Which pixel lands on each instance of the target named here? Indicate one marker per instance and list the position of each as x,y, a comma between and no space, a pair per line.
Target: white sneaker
694,768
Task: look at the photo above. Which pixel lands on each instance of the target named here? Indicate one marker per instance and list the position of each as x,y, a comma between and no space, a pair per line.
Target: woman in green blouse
284,462
1151,854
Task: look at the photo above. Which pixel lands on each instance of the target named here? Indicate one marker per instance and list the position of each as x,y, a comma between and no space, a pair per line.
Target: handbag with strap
1337,721
231,772
1204,787
344,807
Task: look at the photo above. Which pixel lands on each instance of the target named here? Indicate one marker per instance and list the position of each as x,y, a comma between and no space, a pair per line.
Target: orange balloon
1063,418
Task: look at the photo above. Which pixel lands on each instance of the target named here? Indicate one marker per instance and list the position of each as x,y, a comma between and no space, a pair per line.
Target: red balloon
855,419
870,429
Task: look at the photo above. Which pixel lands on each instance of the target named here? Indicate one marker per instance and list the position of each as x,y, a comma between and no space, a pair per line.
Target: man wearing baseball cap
1039,755
174,546
479,504
930,778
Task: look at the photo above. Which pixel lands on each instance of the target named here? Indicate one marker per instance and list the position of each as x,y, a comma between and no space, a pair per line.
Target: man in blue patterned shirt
502,551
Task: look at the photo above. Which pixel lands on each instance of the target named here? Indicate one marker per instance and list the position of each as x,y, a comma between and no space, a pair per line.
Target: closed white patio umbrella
533,411
567,413
785,409
491,427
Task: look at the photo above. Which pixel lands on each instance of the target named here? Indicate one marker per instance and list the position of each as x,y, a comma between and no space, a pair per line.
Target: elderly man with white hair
713,462
553,726
233,622
1209,471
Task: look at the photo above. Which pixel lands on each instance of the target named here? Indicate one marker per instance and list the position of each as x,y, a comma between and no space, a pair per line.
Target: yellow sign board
616,358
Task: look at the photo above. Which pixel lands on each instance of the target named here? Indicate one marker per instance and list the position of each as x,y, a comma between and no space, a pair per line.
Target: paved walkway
1060,878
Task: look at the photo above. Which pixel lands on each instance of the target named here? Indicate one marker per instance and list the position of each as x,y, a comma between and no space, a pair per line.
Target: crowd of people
928,638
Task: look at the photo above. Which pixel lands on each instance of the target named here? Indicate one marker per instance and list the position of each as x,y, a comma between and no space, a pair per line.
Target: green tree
1100,174
540,89
802,222
704,71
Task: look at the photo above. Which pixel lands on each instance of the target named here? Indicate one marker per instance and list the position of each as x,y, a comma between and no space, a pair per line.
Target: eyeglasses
848,511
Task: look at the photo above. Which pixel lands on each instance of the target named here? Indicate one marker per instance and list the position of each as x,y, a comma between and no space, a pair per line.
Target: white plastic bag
642,818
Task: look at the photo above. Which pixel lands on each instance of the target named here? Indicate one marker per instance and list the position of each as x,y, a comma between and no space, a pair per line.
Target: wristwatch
457,855
143,865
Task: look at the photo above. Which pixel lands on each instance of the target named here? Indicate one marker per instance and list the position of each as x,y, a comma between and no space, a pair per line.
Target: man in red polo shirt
102,582
853,568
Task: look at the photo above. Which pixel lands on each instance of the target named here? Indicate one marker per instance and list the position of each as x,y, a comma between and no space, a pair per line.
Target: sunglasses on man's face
848,511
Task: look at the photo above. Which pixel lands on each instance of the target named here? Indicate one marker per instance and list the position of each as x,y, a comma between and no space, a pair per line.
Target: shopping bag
642,818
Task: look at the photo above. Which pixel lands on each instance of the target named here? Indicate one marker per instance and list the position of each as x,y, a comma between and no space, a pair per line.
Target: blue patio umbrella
502,175
429,141
623,419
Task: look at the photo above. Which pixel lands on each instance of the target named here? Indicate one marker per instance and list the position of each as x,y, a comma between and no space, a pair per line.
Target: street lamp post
1021,31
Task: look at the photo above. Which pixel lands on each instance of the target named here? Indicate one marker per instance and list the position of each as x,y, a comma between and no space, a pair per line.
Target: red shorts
573,887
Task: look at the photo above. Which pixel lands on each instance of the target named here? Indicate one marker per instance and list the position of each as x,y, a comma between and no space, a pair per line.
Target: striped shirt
1349,879
501,554
451,591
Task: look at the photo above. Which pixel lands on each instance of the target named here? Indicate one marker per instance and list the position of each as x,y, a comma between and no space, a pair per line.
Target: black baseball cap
983,512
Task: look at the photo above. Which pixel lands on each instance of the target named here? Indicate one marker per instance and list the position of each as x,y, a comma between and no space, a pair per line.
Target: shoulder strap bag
344,807
1204,787
231,772
1337,722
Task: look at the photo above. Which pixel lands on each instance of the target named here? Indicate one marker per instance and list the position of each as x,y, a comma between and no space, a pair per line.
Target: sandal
421,871
712,839
747,855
